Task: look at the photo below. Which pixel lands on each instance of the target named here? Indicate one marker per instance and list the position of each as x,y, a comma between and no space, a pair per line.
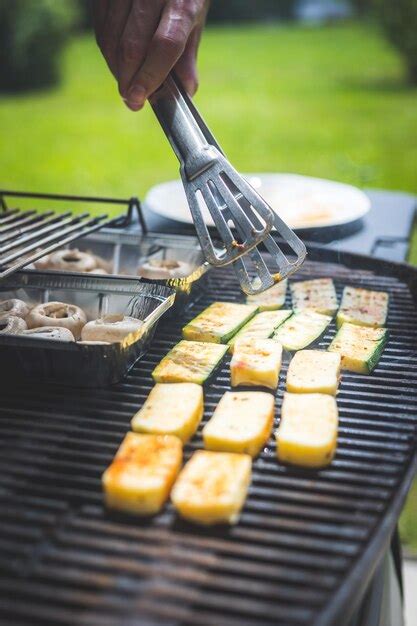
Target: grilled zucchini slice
261,326
363,307
142,473
256,362
189,362
270,299
171,409
317,295
314,371
212,487
301,330
359,346
242,422
219,322
307,433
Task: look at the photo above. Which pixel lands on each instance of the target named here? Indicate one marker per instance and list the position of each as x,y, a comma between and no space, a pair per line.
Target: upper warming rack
28,235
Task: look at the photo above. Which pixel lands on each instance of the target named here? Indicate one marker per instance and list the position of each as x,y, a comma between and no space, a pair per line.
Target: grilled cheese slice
256,362
189,361
171,409
317,295
242,422
270,299
219,322
363,307
261,326
212,487
307,433
142,473
314,371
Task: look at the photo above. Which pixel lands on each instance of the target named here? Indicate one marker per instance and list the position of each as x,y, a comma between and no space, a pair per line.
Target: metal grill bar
306,542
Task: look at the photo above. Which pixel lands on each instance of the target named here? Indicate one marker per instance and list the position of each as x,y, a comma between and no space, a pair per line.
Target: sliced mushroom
12,325
50,332
110,328
58,314
163,269
72,261
14,308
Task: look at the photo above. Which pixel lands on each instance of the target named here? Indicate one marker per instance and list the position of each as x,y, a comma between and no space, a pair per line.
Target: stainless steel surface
212,184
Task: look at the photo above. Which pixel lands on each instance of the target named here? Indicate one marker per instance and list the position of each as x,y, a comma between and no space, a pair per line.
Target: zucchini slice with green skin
270,299
261,326
189,362
359,346
219,322
363,307
317,295
301,329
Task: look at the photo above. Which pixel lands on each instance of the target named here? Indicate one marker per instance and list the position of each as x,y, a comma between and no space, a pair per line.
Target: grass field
328,102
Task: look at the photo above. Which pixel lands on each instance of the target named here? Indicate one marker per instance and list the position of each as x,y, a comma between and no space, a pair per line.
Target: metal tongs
211,183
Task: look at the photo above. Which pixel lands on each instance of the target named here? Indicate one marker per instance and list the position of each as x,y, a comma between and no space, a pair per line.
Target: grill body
306,545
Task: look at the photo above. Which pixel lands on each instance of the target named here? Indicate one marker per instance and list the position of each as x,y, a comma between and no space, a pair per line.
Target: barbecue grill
307,544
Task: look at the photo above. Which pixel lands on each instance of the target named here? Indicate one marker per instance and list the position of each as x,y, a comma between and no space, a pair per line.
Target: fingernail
136,96
133,106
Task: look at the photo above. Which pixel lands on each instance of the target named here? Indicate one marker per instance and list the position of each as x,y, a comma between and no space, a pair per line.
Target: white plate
301,201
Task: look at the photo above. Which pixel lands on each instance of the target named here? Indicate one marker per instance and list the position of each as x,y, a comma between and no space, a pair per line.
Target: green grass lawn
328,102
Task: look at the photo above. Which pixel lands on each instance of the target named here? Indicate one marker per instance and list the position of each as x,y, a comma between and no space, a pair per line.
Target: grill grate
306,540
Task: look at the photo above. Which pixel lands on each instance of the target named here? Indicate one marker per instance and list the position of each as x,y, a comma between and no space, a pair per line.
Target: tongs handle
194,146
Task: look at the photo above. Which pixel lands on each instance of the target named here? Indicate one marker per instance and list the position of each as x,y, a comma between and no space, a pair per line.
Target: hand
142,40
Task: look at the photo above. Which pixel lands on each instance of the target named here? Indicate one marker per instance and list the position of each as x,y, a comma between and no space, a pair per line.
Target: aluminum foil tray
124,252
72,363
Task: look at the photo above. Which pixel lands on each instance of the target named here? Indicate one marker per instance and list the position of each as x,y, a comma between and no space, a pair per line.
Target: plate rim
149,205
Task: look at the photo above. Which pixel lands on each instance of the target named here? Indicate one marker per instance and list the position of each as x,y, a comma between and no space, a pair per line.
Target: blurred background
325,88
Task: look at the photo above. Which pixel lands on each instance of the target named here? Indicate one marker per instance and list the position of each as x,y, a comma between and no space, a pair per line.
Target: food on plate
172,409
363,307
270,299
189,362
307,433
111,328
212,487
50,332
317,295
241,422
219,322
261,326
11,325
314,371
163,269
14,308
142,473
301,329
58,314
256,362
359,346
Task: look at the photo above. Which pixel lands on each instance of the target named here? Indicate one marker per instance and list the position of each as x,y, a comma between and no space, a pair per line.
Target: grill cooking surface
302,535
